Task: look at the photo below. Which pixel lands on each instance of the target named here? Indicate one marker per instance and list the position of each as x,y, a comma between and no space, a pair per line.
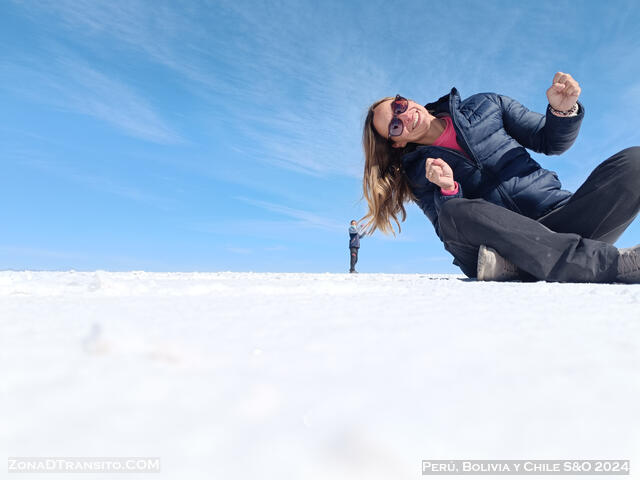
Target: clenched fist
440,173
564,92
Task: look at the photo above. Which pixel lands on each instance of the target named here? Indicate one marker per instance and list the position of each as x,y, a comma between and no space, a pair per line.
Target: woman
497,211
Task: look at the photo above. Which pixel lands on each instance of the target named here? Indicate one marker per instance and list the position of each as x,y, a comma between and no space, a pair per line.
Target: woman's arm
426,175
550,134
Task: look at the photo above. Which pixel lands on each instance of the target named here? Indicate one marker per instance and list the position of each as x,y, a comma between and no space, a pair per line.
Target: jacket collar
443,104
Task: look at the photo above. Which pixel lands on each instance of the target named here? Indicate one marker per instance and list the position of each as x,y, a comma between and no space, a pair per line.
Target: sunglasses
398,106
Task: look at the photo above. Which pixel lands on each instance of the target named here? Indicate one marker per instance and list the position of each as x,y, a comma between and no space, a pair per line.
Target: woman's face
416,121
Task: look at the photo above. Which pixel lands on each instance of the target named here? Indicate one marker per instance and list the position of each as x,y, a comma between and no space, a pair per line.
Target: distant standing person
354,244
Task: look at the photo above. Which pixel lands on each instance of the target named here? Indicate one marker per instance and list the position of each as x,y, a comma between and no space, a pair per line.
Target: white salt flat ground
315,376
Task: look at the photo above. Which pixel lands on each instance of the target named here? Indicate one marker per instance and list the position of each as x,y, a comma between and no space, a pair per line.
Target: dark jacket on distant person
354,237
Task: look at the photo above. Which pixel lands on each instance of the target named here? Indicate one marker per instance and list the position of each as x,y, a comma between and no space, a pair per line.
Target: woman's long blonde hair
384,184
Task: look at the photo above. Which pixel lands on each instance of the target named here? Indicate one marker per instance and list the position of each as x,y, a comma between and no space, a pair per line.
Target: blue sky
209,136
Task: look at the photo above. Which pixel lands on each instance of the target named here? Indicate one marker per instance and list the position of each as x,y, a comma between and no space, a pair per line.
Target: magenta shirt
448,139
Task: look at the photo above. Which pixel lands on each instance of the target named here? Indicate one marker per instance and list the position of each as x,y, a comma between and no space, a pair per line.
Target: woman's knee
629,161
631,152
627,173
621,170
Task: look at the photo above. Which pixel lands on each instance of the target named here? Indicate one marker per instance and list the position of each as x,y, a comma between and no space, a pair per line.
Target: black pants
573,243
354,258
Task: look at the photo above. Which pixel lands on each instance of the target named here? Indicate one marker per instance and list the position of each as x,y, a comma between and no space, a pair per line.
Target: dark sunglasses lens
395,127
399,105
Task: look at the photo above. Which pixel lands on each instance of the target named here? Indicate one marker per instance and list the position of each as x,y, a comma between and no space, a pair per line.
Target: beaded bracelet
573,110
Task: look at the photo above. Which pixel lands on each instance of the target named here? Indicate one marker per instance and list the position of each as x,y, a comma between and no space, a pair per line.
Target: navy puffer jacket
495,131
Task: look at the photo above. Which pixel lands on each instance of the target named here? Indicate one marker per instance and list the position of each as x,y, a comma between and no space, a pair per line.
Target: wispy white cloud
94,93
296,221
275,248
239,250
302,217
38,160
249,228
293,106
132,193
70,84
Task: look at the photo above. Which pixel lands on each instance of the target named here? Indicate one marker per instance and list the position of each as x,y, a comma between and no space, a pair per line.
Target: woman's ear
399,144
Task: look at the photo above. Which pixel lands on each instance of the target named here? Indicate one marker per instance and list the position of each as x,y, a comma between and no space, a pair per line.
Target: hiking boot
494,268
629,265
353,271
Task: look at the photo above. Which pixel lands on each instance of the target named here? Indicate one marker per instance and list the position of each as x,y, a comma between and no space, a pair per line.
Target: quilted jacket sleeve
546,134
428,196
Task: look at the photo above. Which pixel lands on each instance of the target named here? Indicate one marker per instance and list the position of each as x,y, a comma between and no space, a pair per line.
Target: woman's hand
438,172
564,92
